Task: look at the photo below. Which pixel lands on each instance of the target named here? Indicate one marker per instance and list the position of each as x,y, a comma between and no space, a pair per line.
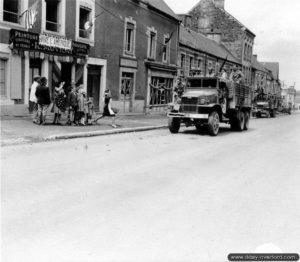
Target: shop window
160,91
11,11
84,18
166,48
152,45
3,77
129,38
127,80
52,15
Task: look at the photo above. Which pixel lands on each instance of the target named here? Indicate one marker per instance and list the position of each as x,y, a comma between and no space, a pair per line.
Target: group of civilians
72,101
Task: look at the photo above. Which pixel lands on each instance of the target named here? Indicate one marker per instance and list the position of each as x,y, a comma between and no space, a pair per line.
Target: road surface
153,196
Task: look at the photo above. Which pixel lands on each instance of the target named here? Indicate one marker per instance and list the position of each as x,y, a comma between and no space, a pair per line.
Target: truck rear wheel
238,123
247,120
213,123
273,114
174,125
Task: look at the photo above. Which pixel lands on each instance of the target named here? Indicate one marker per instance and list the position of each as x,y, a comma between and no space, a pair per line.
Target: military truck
265,105
209,101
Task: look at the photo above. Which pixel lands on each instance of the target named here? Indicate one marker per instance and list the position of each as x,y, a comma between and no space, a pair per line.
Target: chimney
220,3
186,20
255,56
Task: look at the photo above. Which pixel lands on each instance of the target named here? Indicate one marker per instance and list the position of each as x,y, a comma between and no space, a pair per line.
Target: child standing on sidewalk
89,111
73,106
81,100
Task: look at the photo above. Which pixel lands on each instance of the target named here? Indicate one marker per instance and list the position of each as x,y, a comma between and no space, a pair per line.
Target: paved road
153,196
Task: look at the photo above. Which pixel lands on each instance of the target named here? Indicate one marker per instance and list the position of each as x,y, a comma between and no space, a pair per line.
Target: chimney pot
220,3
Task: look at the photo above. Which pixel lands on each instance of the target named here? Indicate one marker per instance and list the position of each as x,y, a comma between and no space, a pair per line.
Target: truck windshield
209,83
202,83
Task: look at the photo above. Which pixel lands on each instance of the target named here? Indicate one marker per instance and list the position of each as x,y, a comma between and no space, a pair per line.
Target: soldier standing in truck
236,75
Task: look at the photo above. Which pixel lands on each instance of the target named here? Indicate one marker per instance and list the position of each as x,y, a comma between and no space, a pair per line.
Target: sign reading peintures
46,43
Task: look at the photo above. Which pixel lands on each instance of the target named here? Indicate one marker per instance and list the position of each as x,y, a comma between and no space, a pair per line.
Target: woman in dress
60,102
108,110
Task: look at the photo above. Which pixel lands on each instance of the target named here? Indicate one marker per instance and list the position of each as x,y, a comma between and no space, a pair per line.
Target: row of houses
136,48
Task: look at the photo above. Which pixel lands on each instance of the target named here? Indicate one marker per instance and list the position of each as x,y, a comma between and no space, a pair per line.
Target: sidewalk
18,130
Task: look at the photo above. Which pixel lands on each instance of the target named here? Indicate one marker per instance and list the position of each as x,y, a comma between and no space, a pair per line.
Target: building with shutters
127,46
58,46
139,39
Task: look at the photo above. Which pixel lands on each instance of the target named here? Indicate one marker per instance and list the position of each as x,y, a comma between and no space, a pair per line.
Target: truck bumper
188,115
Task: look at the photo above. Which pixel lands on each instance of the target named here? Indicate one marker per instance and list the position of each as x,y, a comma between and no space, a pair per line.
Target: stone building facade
210,18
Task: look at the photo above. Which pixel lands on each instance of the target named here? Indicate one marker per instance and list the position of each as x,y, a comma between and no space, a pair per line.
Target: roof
273,67
257,65
228,14
202,43
161,6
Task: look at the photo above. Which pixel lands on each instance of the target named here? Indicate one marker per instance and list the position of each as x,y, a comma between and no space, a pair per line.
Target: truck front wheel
174,125
213,123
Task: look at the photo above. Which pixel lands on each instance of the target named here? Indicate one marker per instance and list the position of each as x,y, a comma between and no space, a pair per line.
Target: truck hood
200,93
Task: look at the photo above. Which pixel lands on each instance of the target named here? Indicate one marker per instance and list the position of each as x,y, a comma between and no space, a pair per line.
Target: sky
276,26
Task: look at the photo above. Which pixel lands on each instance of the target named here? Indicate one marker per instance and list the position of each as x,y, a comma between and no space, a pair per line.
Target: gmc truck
266,105
209,101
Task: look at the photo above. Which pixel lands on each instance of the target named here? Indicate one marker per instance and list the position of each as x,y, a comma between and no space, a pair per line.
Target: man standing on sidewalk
33,107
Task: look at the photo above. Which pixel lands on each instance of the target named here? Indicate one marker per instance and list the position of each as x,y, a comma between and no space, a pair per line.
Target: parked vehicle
209,101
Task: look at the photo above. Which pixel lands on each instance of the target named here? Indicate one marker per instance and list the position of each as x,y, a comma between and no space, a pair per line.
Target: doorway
93,84
66,74
35,66
126,92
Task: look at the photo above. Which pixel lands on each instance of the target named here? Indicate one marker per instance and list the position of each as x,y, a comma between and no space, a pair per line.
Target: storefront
55,57
160,85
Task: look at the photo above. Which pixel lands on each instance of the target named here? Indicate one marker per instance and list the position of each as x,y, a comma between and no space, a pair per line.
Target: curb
103,132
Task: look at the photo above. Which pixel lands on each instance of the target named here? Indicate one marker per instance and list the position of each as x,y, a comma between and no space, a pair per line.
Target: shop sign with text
46,43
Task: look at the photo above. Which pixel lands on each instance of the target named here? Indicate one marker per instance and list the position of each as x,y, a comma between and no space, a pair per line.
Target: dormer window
11,11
